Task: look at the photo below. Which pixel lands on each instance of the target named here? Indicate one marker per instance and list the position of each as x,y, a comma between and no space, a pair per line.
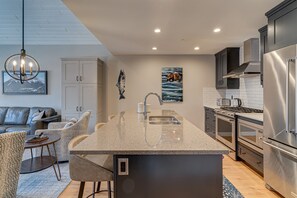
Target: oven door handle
228,119
280,149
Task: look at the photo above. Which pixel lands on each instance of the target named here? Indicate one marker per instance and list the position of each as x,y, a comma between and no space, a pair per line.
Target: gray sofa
20,119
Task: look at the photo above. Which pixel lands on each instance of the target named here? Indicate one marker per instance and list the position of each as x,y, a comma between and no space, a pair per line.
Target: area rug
229,190
43,184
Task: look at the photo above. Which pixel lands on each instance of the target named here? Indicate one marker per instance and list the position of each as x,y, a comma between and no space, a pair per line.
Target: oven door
225,131
251,133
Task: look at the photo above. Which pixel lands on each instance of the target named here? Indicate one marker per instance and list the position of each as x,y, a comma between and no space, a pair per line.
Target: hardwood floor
248,182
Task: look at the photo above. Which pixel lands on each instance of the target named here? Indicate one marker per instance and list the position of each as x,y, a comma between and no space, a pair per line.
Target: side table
41,162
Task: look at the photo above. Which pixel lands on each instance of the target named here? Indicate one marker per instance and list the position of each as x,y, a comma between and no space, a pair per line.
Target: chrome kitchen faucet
144,103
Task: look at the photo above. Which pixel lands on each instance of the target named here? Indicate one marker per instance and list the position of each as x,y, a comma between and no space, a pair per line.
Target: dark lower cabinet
174,176
226,61
251,157
210,122
282,26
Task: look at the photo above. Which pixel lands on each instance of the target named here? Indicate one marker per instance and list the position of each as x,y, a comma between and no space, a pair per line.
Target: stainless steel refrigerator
280,137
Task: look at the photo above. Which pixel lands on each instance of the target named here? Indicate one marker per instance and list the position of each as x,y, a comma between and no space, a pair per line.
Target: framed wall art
36,86
172,84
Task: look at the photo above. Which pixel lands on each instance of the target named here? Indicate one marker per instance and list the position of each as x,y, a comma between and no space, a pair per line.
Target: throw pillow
74,120
69,124
37,116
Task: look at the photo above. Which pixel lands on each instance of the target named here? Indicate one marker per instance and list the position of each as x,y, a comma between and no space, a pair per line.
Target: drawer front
254,159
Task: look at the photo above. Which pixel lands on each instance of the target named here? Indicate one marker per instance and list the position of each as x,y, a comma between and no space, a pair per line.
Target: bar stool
90,168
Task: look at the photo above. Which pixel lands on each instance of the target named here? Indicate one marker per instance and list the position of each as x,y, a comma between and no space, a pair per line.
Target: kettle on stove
236,102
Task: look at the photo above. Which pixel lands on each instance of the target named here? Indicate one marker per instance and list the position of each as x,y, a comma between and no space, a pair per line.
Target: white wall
49,58
143,75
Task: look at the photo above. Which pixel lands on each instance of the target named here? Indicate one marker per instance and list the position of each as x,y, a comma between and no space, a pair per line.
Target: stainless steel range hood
251,65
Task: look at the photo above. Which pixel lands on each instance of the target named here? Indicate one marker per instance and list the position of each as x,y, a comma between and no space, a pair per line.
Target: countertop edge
97,152
211,106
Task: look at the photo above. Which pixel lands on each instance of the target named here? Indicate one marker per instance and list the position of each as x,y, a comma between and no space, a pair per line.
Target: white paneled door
82,89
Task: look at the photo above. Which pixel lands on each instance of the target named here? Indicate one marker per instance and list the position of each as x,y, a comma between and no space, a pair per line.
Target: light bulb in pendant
30,65
14,63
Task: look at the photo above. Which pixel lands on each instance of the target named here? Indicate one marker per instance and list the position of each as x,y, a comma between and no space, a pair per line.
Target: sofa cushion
16,128
3,111
3,128
17,115
48,111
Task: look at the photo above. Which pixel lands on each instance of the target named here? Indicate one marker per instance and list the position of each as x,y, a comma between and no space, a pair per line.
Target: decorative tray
37,139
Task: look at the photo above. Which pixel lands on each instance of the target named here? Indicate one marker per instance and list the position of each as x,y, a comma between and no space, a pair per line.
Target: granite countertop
128,133
253,116
212,106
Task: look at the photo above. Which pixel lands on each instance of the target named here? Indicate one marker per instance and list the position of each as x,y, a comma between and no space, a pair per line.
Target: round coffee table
41,162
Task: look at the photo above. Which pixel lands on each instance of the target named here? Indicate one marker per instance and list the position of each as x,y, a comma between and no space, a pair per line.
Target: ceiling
126,26
47,22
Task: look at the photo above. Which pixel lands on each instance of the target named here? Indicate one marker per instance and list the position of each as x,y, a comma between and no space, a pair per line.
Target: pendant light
22,67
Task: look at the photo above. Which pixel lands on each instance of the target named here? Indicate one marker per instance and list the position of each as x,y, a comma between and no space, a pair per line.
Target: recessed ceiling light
154,48
216,30
196,48
157,30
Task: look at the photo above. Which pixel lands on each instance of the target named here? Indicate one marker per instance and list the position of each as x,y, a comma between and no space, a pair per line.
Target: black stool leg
109,189
81,189
98,187
94,187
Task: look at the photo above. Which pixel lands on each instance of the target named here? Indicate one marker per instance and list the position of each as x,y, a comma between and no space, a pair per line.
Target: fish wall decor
121,84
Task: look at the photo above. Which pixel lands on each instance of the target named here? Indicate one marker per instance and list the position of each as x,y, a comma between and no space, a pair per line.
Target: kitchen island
157,158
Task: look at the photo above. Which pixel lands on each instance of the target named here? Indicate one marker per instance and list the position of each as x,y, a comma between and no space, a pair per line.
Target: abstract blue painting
172,84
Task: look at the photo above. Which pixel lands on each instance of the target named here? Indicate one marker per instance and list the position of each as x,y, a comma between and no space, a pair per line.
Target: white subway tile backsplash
210,95
250,92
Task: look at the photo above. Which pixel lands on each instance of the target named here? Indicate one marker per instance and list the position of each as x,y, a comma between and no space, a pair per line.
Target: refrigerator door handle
280,149
294,131
287,95
288,130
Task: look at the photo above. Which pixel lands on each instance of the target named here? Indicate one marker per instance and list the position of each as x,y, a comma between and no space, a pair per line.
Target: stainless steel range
226,126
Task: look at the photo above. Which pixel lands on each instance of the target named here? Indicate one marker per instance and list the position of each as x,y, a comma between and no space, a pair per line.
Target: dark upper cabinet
263,47
282,26
226,61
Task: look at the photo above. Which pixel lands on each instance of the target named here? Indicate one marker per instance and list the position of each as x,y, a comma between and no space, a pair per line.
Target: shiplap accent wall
47,22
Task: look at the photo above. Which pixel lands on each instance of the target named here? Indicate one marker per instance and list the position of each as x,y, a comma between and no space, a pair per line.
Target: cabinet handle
80,108
80,78
76,78
241,152
76,108
260,138
259,162
123,166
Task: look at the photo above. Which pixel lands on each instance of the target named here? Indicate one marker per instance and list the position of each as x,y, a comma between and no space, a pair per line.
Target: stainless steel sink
163,120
